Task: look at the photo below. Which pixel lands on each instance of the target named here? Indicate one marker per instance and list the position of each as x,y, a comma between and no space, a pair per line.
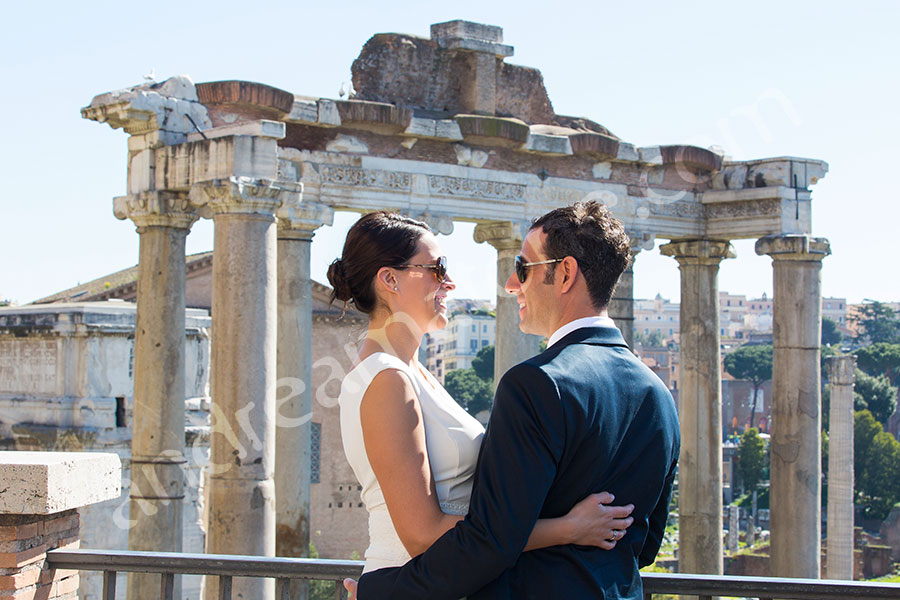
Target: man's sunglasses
522,266
439,268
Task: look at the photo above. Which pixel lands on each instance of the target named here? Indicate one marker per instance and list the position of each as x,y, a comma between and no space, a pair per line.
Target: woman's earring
396,289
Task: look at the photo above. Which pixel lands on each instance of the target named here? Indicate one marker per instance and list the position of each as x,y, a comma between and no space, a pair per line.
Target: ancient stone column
795,470
839,555
700,410
241,490
293,413
621,307
483,50
163,220
511,346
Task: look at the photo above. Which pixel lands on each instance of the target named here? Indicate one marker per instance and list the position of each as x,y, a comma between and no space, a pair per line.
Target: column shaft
511,345
157,444
700,406
293,413
839,555
242,440
795,493
621,307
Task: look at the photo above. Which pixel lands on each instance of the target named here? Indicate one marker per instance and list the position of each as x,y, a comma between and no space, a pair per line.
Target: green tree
876,464
879,323
652,339
751,459
483,363
875,394
830,333
471,391
880,359
754,364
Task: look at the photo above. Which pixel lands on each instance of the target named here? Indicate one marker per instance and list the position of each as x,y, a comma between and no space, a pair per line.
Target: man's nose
512,284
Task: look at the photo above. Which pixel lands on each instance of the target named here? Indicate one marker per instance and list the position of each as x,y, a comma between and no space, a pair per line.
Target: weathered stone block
548,144
467,30
303,111
627,153
41,483
651,155
493,129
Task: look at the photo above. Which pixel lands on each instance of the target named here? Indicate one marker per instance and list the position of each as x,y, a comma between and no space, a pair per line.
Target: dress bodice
452,439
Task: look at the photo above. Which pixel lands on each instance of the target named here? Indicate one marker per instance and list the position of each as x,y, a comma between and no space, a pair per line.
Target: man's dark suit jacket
582,417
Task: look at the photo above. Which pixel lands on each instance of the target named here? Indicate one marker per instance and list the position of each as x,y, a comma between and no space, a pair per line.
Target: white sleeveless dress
452,438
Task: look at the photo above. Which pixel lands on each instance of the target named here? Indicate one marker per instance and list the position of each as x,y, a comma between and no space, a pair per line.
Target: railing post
109,585
224,587
283,588
167,587
339,592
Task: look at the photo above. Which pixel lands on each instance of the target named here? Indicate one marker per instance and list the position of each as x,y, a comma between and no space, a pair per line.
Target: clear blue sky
653,72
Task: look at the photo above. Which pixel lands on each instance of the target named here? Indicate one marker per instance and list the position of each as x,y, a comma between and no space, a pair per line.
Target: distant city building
657,315
472,326
835,309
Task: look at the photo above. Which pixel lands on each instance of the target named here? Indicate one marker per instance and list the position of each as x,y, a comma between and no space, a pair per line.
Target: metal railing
226,566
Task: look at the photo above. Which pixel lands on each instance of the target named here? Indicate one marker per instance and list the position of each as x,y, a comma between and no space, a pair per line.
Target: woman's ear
386,280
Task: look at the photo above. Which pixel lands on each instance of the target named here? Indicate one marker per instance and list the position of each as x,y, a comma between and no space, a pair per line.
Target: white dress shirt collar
579,324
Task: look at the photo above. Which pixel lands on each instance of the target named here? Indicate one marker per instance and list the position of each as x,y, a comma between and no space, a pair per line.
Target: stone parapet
42,483
38,513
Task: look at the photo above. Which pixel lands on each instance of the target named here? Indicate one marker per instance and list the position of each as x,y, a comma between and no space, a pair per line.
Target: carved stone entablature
156,209
476,188
243,195
169,110
249,157
770,207
344,175
502,235
684,209
302,220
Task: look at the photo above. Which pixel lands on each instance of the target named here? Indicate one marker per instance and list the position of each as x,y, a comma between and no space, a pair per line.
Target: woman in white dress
412,447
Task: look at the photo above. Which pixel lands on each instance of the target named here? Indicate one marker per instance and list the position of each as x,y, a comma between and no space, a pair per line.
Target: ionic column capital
793,247
704,252
158,208
243,195
502,235
301,221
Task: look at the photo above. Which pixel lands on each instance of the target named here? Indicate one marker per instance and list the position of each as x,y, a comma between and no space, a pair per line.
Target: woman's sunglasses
522,266
439,268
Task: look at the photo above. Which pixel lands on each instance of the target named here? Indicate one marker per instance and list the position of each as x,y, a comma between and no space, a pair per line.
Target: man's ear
567,272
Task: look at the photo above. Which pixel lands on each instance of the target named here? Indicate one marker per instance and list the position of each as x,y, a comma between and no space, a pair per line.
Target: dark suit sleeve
657,521
516,467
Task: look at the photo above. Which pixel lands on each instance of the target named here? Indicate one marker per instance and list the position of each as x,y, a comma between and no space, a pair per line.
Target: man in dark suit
583,416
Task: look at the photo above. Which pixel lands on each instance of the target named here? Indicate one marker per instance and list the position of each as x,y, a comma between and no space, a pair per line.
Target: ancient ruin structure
445,130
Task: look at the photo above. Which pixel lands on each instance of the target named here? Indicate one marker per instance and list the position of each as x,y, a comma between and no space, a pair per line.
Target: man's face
537,300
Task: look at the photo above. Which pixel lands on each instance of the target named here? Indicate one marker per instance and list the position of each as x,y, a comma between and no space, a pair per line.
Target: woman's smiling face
420,296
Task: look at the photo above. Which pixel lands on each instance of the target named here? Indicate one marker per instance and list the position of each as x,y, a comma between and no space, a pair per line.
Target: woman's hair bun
338,280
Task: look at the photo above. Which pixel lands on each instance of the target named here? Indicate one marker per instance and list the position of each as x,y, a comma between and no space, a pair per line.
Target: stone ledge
246,92
41,483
